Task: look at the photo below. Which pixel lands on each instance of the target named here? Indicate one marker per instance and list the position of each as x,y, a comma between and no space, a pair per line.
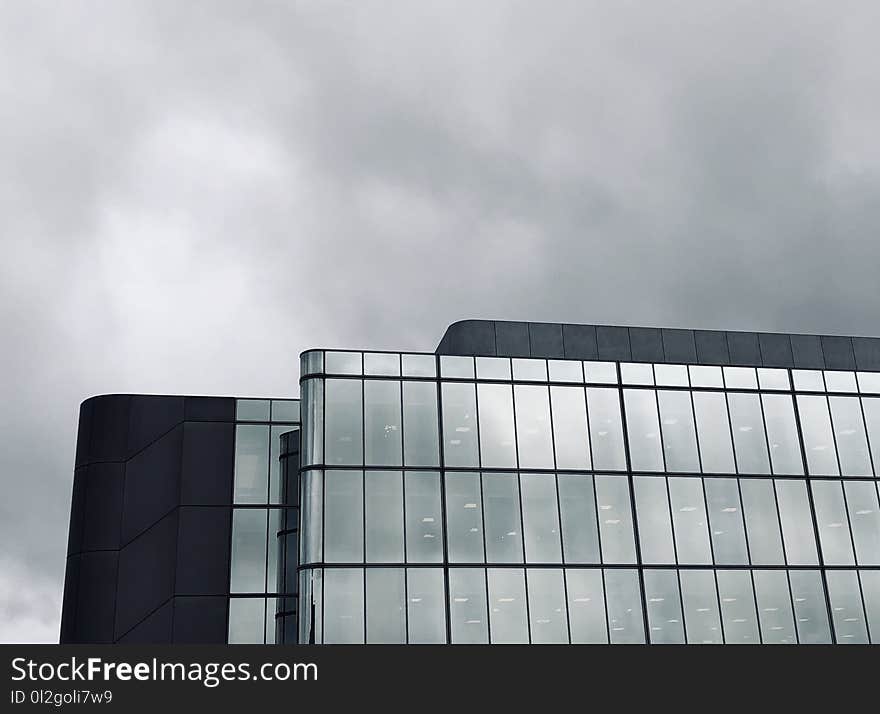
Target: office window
679,435
380,364
871,408
507,606
246,620
749,439
624,604
420,437
615,519
344,606
311,606
762,523
600,372
643,430
700,600
671,375
637,373
384,514
386,606
797,522
773,378
808,380
533,434
662,600
570,437
864,518
502,513
832,521
343,516
252,410
456,367
313,422
540,518
586,606
690,522
849,433
275,433
343,430
382,423
459,424
419,365
870,581
846,607
272,550
655,526
606,433
248,566
840,381
343,363
464,519
312,507
706,376
774,607
580,530
738,607
785,448
547,619
566,371
530,370
467,606
285,410
424,521
251,463
493,368
426,609
713,432
726,521
810,611
818,439
740,378
497,440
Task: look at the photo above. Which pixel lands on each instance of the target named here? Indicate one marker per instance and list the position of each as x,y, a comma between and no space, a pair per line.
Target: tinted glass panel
624,601
419,365
540,518
636,373
577,505
738,607
502,514
570,437
566,371
534,440
726,522
818,439
671,375
615,519
248,567
663,603
382,422
864,518
774,607
702,622
252,410
606,434
679,436
840,381
464,517
655,526
808,380
871,407
454,366
467,606
689,519
344,606
459,424
748,433
643,430
713,431
386,606
246,620
832,521
740,378
773,378
313,422
870,580
507,606
797,522
384,513
493,368
285,410
312,506
762,523
497,441
600,372
386,365
586,606
810,611
785,449
530,370
343,429
547,621
426,609
846,607
343,516
420,438
849,433
343,362
424,522
251,463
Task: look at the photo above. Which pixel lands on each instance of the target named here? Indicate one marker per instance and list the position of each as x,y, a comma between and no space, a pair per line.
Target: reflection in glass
624,604
577,506
459,424
636,373
464,519
749,439
762,523
797,522
600,372
864,518
272,550
251,463
738,607
311,362
689,519
706,376
343,362
530,370
248,566
655,527
774,607
426,609
493,368
507,606
726,522
252,410
312,507
679,437
311,606
382,422
384,514
840,381
662,601
419,365
497,441
773,378
424,522
382,364
818,439
502,514
832,522
342,422
700,600
533,437
871,408
849,433
785,448
386,606
540,518
313,421
740,378
615,519
643,429
870,581
343,516
810,611
456,366
420,438
586,606
606,433
570,438
285,410
547,620
846,607
808,380
467,606
563,370
671,375
713,432
246,620
275,433
343,606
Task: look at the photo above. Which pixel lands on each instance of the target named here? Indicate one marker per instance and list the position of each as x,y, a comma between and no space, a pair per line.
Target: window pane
248,568
600,372
586,606
615,519
311,606
272,550
343,516
785,448
570,436
832,522
797,522
313,421
252,410
762,523
655,527
774,607
419,365
700,601
343,362
818,440
386,614
467,606
271,608
864,518
420,439
566,370
726,522
643,430
493,368
311,362
426,611
738,607
251,463
740,378
637,373
424,521
501,511
713,431
344,606
840,381
869,382
773,378
624,601
606,434
342,421
459,424
497,442
749,439
580,529
285,410
384,513
547,619
380,364
540,518
808,380
312,507
382,422
671,375
464,518
810,611
846,607
679,437
275,433
689,519
870,580
455,366
530,370
706,376
871,407
246,620
849,431
507,606
664,607
534,441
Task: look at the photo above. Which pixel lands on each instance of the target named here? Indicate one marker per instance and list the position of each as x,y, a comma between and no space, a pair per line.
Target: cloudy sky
191,193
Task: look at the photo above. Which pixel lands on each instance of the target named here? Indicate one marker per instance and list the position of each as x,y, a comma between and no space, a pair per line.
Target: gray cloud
192,193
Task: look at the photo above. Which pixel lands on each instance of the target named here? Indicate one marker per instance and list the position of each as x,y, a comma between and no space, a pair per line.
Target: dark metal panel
68,602
580,342
209,409
807,352
679,346
151,416
103,508
203,551
207,463
200,620
545,340
867,353
512,339
77,511
743,348
83,433
96,597
155,629
775,349
646,344
838,352
109,427
613,343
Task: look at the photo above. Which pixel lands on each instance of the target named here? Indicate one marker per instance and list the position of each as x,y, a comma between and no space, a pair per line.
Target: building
528,482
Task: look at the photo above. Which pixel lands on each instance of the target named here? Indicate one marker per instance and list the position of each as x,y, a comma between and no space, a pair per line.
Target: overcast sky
192,193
